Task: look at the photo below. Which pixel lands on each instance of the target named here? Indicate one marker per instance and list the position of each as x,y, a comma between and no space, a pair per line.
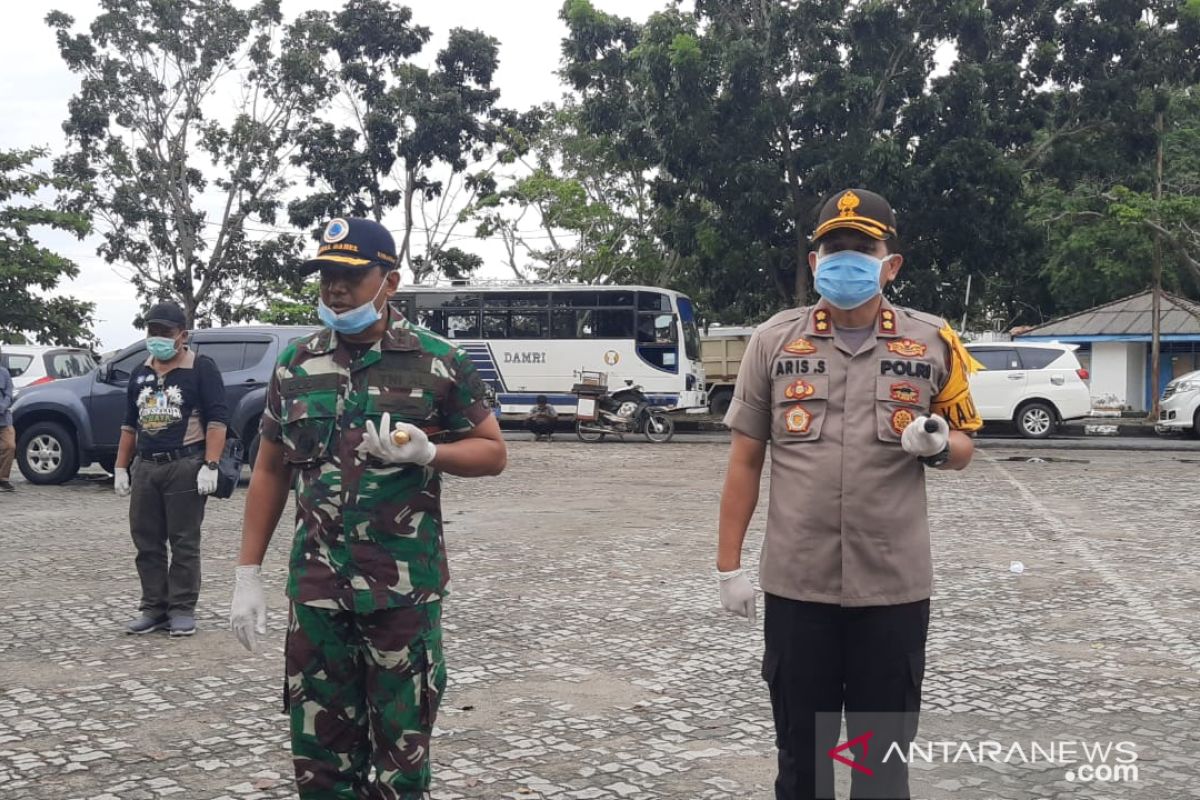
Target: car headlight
1187,386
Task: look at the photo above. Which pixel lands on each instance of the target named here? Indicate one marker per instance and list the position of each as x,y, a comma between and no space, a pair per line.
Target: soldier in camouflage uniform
348,424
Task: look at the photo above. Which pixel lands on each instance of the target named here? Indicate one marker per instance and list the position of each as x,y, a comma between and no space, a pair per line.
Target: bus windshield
530,340
691,334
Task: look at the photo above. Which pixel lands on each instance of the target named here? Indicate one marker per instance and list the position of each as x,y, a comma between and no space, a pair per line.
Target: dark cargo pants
165,509
363,691
821,659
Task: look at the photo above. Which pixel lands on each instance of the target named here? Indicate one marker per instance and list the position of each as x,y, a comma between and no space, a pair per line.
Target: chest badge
905,392
800,347
798,419
799,390
908,347
901,419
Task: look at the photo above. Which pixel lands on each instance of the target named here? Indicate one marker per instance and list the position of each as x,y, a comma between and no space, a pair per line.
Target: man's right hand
121,481
737,594
248,611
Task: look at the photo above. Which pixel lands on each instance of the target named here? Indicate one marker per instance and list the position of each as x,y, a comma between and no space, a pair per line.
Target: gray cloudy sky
35,87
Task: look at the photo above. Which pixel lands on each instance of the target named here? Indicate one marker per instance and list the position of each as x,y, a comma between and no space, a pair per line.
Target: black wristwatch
937,460
211,464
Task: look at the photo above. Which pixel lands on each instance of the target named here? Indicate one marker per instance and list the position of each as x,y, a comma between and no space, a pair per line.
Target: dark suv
67,424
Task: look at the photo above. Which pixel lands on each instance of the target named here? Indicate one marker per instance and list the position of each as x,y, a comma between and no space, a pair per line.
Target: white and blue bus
531,339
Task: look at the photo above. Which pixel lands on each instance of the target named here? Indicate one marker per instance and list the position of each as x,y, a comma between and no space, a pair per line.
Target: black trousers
540,427
822,659
165,509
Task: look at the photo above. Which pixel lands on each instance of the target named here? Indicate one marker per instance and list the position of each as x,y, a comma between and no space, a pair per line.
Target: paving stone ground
588,654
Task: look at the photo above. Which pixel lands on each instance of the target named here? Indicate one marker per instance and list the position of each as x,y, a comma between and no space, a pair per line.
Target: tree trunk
404,256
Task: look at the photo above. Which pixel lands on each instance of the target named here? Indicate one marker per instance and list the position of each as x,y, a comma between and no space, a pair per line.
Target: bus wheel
659,428
587,433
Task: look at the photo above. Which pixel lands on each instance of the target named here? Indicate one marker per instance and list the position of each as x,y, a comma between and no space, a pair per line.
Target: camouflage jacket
368,535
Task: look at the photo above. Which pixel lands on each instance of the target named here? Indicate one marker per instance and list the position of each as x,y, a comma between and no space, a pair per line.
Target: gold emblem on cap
848,202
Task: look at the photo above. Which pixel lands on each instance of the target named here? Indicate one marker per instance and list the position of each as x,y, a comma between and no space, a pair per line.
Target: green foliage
175,188
411,125
28,271
744,115
290,304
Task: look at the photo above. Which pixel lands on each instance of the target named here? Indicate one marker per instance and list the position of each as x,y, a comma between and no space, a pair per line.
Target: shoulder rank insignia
887,321
798,419
907,347
821,323
799,390
905,392
800,347
901,419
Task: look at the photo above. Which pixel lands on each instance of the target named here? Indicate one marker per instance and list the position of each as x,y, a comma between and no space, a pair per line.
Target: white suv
1179,407
32,365
1033,385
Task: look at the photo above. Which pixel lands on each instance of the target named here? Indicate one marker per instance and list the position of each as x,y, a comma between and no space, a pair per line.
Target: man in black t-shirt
175,422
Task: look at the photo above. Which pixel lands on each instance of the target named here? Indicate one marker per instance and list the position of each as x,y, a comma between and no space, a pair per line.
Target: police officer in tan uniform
856,398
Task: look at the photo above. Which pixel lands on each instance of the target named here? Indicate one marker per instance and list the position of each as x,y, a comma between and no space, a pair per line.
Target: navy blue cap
353,242
167,313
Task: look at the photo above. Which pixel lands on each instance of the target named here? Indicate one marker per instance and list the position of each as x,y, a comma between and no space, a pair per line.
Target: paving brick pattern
588,655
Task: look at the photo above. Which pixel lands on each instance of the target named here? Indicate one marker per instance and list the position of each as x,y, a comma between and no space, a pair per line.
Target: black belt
164,456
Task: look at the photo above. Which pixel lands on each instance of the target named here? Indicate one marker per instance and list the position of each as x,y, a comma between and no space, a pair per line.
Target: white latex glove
379,443
206,480
920,442
121,481
248,611
737,594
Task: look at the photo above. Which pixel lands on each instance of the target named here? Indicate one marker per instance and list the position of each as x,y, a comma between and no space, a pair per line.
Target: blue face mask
356,320
847,279
161,347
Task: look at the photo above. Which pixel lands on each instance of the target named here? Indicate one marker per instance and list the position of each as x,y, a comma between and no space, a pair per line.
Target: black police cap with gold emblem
858,210
353,242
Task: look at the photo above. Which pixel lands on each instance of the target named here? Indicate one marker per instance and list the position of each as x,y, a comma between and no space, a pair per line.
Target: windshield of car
68,363
16,364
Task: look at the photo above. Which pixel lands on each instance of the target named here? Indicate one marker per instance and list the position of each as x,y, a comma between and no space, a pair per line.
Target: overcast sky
35,87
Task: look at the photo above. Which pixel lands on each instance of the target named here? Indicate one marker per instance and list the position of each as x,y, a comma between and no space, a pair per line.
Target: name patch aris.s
799,366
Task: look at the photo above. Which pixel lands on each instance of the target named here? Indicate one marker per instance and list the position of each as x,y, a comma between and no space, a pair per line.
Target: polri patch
798,419
800,347
901,419
799,390
908,347
911,369
905,392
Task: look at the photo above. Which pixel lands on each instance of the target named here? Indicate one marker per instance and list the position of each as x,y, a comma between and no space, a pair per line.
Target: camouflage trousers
363,693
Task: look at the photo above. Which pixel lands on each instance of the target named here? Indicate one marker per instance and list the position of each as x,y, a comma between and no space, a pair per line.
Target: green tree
185,189
1097,196
748,114
28,271
574,209
292,303
415,132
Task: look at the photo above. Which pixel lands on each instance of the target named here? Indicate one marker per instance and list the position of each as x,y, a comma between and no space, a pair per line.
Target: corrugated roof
1129,316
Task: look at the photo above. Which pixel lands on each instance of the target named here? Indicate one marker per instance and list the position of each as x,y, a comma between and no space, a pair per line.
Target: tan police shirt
847,521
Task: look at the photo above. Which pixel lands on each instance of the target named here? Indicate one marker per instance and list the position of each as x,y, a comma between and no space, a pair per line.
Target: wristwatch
211,464
937,460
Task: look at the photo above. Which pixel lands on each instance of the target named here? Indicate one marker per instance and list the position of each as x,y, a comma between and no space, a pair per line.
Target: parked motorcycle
600,413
